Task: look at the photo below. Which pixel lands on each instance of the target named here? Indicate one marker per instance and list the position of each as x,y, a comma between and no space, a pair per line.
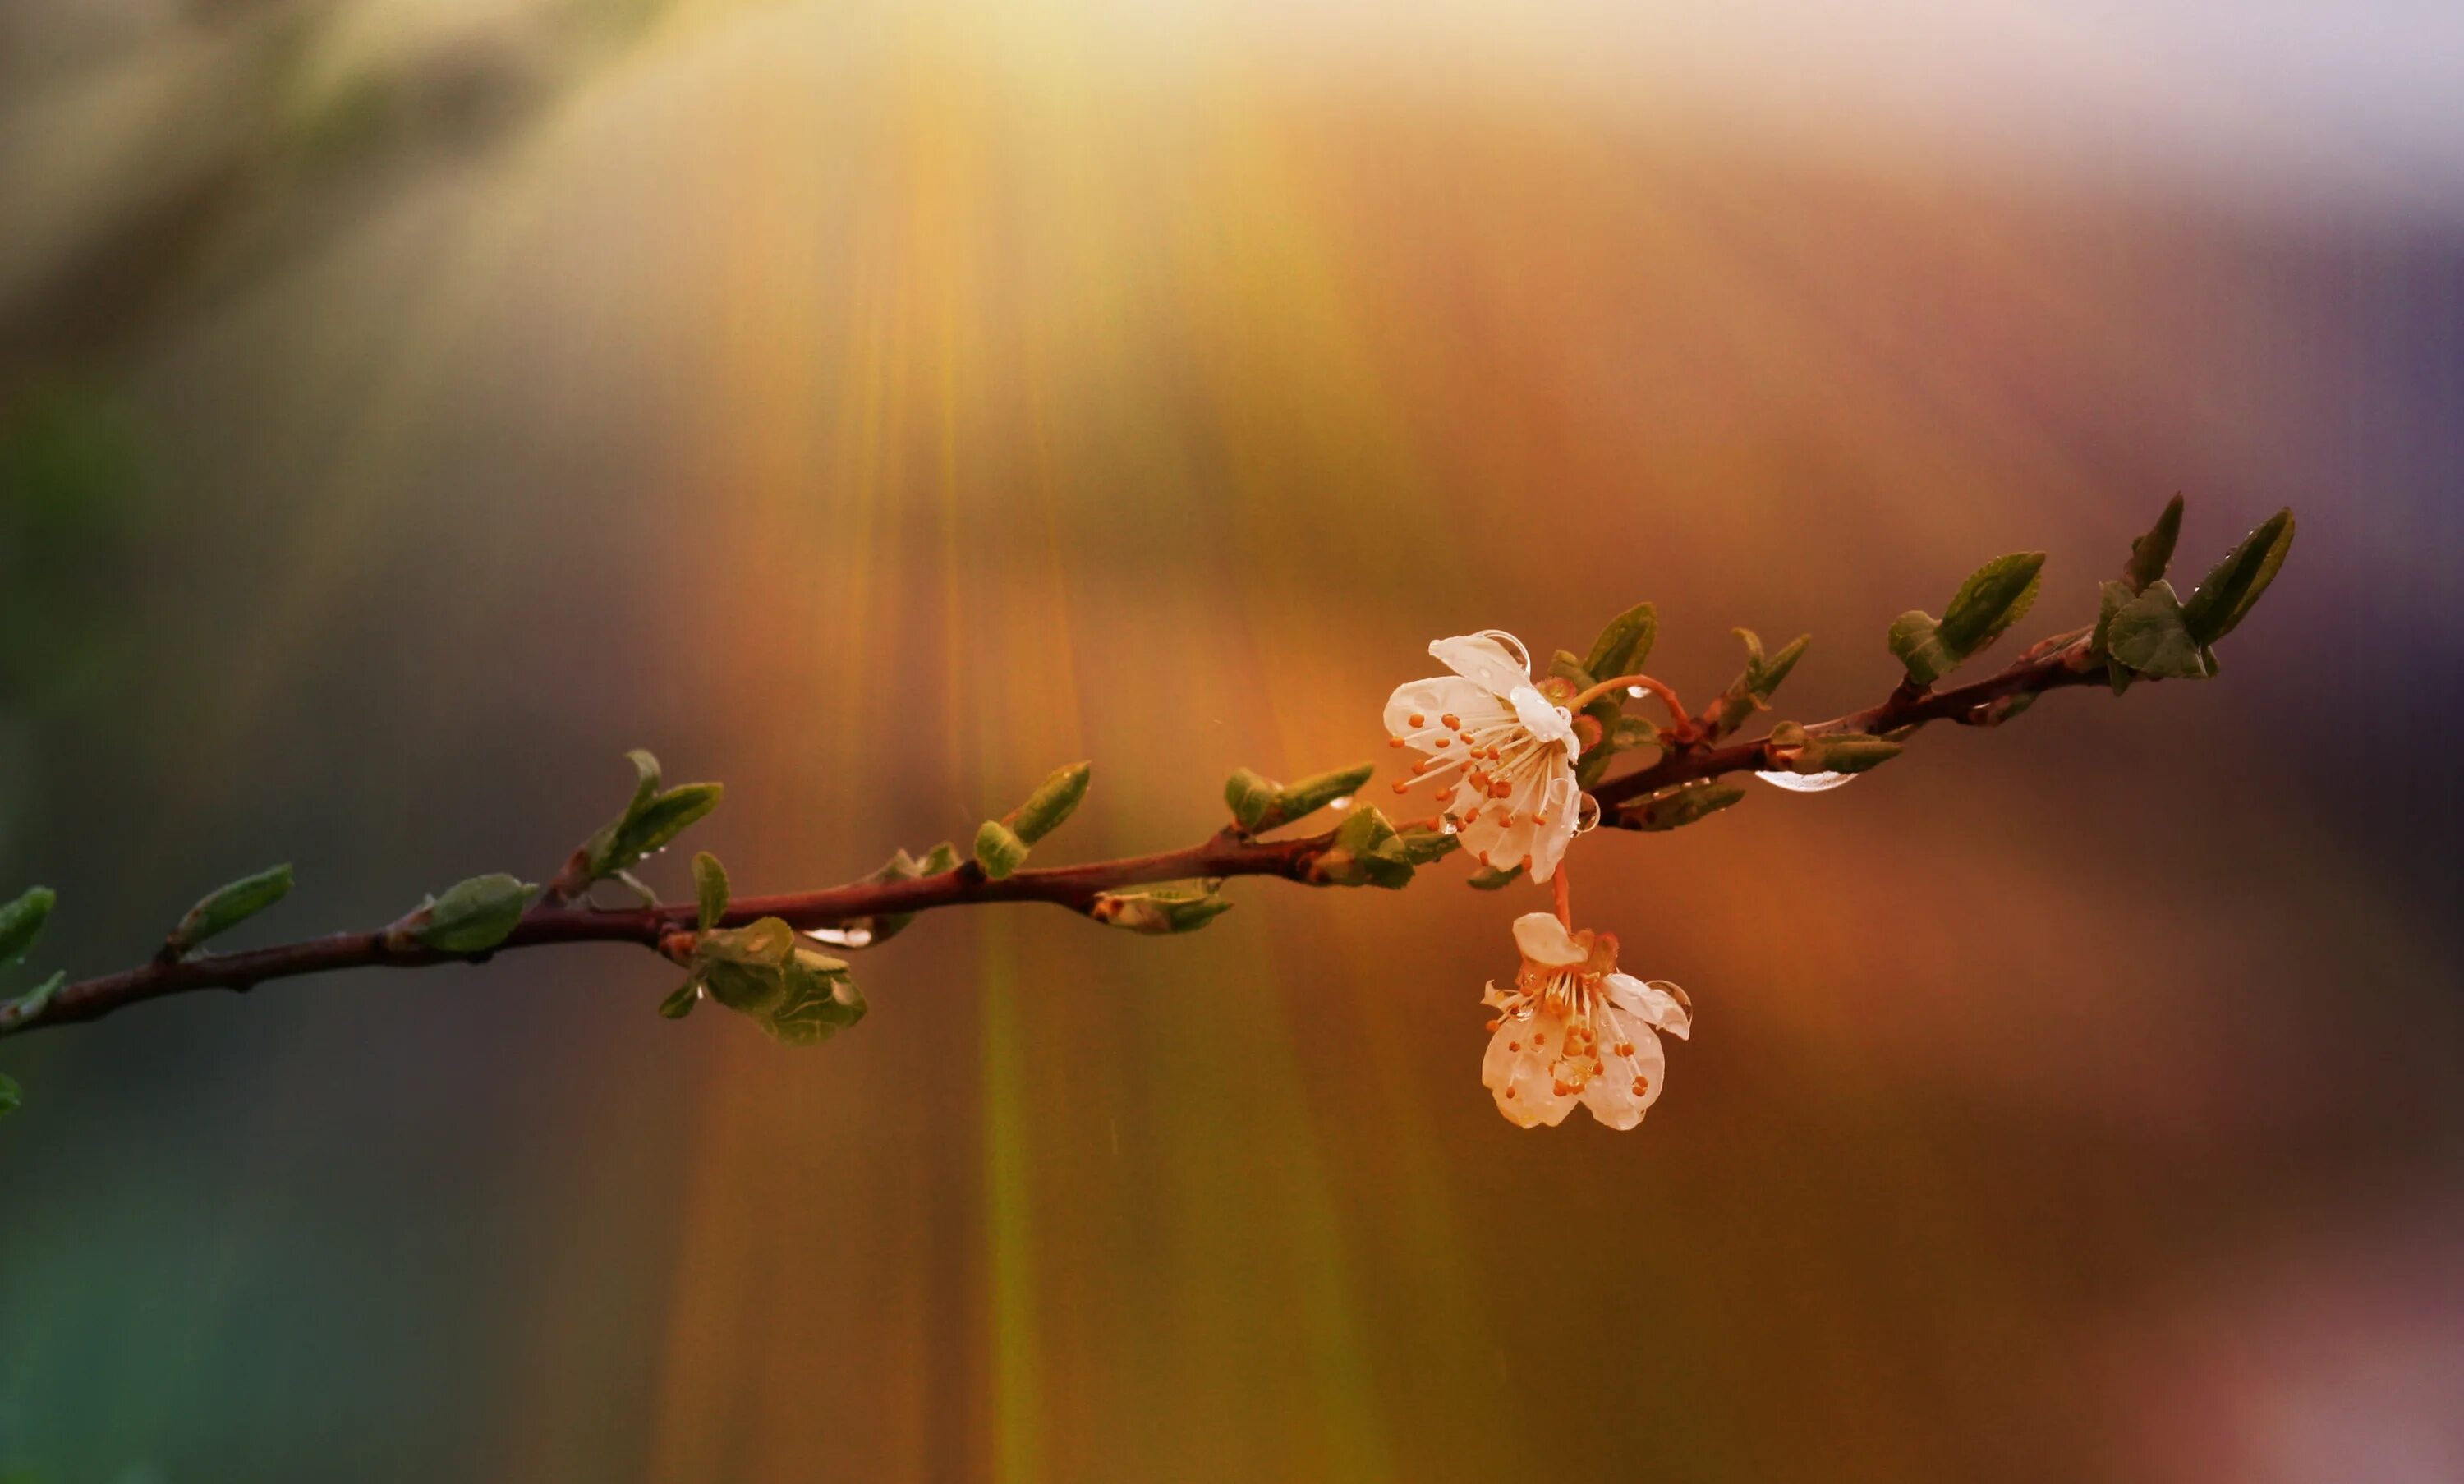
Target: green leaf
1567,666
227,906
2151,553
1995,597
1051,803
1159,910
1842,751
2226,595
1678,807
2149,635
1422,845
26,1009
1491,878
899,868
818,999
710,889
1625,644
680,1002
12,1096
1752,689
1916,638
1366,851
652,819
999,850
797,994
474,916
21,923
1259,803
1251,797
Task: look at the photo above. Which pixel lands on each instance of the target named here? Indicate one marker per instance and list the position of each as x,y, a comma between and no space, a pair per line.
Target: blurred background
406,405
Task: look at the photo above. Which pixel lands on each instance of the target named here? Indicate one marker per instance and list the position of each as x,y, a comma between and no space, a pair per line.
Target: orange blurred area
403,409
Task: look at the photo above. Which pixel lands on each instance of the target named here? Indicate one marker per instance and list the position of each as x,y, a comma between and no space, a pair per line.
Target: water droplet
1339,801
841,938
1805,782
1634,691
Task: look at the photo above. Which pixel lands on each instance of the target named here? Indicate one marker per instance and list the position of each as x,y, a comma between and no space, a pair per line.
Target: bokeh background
407,405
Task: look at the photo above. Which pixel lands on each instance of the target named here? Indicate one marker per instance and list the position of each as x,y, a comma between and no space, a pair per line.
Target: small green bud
1844,752
21,923
2225,595
470,917
226,908
1250,795
28,1008
1423,845
2150,635
1752,689
680,1002
1259,803
1051,803
998,849
1365,852
710,889
2151,553
1159,910
652,819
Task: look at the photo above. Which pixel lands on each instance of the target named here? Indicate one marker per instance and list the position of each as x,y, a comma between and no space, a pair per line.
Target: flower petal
1515,1070
1543,717
1433,700
1656,1002
1562,810
1481,659
1544,939
1612,1095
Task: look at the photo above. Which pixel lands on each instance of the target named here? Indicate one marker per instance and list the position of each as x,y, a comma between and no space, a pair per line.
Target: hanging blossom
1573,1030
1501,753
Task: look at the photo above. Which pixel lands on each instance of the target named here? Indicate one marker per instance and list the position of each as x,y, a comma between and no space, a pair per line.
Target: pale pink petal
1481,659
1435,699
1631,1058
1515,1069
1561,812
1656,1002
1542,717
1544,939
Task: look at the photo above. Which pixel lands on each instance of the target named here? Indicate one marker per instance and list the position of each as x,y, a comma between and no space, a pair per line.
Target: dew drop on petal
1806,782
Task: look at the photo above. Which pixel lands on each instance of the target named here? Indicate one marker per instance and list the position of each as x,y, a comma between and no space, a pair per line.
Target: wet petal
1543,717
1481,659
1656,1002
1515,1070
1435,699
1633,1066
1544,939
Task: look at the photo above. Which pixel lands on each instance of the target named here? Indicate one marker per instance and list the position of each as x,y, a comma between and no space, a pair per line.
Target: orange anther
1445,741
1400,784
1418,720
1394,741
1451,720
1500,788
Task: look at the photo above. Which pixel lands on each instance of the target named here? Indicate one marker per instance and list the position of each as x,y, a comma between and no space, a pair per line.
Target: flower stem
1565,898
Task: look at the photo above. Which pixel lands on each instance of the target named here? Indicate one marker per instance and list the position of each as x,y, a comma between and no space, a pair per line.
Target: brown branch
2049,667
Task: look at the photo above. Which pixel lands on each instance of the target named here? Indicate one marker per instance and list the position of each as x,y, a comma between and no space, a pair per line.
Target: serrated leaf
474,916
1159,910
2151,553
2149,635
1051,803
681,1000
1624,644
1995,597
227,906
999,850
1678,807
2226,596
21,922
1491,878
710,889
